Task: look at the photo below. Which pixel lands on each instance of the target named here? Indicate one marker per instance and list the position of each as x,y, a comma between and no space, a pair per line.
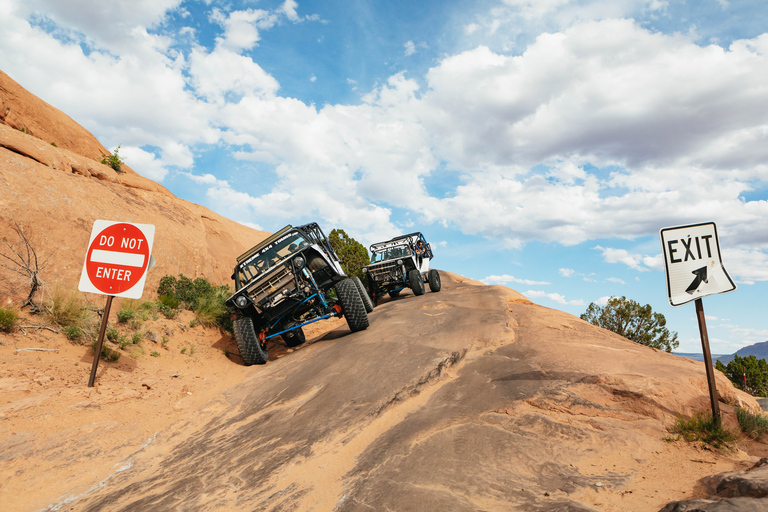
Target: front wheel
417,284
248,342
367,302
352,305
434,281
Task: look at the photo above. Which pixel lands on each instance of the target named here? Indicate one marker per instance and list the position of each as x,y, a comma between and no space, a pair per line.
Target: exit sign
693,264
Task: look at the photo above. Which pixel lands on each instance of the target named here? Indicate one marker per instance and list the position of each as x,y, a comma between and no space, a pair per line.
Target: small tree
352,253
23,260
633,321
750,369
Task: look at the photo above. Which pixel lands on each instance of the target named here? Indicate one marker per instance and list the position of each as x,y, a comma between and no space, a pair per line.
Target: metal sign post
694,269
116,263
708,361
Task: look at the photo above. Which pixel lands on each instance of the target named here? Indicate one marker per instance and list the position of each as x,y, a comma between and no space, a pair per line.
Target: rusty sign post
694,270
116,263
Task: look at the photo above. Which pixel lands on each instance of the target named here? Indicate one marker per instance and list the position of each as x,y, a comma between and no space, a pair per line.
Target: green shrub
168,301
114,161
112,334
211,310
155,353
755,425
73,332
8,319
703,427
125,314
136,338
198,295
122,341
164,341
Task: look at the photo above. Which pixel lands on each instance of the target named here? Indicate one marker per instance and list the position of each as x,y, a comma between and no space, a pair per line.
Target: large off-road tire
248,342
367,302
417,285
434,281
394,294
352,305
294,338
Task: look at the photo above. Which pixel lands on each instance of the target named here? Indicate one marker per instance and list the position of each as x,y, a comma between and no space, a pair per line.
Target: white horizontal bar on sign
117,258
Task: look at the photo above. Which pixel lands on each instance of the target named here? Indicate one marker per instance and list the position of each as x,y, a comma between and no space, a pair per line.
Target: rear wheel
294,338
352,305
367,302
434,281
248,342
417,285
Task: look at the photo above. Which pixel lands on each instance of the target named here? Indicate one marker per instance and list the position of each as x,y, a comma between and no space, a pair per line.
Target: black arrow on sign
701,275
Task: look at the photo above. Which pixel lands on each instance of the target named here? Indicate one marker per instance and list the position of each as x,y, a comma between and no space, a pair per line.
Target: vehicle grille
273,282
385,272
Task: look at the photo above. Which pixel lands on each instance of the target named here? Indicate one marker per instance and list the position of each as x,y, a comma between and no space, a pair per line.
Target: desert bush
198,295
155,353
125,314
136,352
136,338
73,332
211,310
66,308
112,334
703,427
8,319
114,161
754,425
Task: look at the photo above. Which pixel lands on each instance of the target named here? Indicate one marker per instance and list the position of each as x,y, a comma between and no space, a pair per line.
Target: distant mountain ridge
759,350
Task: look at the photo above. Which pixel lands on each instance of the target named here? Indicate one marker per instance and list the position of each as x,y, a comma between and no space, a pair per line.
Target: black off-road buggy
284,283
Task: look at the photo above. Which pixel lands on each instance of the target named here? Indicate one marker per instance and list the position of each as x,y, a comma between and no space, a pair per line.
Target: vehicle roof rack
264,243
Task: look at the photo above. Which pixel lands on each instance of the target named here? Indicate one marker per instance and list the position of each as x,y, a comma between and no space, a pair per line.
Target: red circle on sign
117,258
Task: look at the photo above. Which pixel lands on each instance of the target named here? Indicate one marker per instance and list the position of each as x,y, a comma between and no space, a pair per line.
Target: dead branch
36,349
23,260
38,327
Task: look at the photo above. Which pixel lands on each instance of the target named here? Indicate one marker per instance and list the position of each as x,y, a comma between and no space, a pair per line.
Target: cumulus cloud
554,297
594,130
507,279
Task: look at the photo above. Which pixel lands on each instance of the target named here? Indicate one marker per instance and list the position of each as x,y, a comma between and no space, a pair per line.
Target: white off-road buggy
402,262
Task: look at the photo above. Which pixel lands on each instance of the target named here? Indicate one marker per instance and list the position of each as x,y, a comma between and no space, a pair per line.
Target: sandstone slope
56,192
468,399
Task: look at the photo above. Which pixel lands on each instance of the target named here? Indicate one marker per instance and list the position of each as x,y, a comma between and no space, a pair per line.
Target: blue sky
539,144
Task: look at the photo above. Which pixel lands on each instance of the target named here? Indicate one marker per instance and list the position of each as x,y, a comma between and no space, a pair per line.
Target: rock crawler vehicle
284,283
396,265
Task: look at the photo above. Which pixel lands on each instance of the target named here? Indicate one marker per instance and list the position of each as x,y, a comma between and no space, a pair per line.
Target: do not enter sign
117,259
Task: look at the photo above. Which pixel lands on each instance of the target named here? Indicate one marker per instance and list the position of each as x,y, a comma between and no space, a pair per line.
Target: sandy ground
47,404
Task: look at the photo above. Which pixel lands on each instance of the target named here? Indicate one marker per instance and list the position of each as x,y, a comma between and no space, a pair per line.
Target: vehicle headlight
365,270
299,261
241,301
399,262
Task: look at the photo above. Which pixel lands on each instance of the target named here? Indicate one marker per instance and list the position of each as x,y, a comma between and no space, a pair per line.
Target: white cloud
241,28
506,279
615,280
566,272
222,72
598,129
410,48
633,261
554,297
